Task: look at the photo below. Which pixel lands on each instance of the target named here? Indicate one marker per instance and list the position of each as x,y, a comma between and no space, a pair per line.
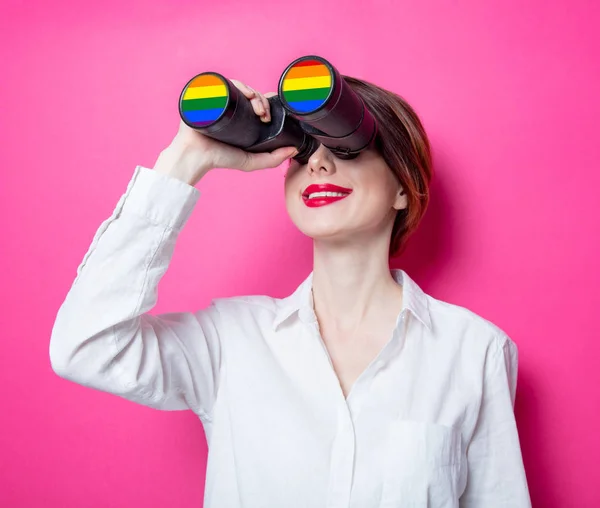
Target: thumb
269,159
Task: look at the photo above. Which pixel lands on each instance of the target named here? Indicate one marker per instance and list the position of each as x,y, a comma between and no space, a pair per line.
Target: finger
257,105
262,109
270,94
254,161
260,104
267,107
256,101
248,92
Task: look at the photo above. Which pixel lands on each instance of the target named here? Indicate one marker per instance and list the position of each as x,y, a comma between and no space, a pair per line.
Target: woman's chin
323,232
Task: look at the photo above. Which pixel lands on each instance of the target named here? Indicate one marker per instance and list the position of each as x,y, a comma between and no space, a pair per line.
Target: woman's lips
319,192
322,200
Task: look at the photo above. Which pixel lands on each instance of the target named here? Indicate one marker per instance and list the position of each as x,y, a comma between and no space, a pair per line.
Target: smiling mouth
314,195
319,199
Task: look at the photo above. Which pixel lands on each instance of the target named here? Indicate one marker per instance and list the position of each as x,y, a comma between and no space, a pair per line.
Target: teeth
326,194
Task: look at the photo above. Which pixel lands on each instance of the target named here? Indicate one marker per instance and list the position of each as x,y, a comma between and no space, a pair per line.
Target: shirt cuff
160,198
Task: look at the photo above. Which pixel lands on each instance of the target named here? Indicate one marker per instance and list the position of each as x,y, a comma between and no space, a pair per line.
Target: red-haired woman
358,390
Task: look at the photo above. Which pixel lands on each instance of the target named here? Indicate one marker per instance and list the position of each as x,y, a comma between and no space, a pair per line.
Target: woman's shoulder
259,309
251,303
463,323
264,310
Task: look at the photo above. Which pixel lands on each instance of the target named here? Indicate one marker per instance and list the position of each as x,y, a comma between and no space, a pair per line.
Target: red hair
403,143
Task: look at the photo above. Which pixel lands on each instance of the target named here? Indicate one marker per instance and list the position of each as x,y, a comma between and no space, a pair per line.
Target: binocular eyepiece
314,105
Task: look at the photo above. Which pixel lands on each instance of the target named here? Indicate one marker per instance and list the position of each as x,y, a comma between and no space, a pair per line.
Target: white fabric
429,423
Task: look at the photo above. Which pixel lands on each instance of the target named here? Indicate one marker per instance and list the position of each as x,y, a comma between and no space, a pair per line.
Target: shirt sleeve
496,474
104,337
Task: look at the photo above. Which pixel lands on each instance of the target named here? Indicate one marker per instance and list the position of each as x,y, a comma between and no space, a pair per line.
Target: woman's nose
321,160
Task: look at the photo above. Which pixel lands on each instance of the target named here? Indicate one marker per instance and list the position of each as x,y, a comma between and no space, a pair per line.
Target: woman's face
371,203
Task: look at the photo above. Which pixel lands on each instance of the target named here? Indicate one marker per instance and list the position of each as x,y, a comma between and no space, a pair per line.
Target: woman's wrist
180,162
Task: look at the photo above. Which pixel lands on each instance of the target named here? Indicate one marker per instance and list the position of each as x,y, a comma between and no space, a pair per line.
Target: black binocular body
314,105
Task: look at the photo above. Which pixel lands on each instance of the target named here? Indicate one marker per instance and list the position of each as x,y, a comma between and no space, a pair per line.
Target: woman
358,390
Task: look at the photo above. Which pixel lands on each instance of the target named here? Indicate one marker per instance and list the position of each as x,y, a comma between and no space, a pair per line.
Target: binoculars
314,105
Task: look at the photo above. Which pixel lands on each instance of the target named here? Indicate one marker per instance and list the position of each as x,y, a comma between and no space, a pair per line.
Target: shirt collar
301,301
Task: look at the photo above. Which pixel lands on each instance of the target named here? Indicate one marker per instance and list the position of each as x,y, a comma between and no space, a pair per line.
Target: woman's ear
401,201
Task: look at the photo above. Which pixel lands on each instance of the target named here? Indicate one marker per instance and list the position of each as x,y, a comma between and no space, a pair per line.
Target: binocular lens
214,106
204,100
306,86
315,93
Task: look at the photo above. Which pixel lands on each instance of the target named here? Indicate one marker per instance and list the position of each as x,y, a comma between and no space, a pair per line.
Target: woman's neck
352,288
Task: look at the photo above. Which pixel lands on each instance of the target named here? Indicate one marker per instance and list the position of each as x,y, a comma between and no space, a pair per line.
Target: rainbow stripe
307,85
204,99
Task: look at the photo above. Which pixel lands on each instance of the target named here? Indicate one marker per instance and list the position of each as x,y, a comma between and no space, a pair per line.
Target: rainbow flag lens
306,86
204,100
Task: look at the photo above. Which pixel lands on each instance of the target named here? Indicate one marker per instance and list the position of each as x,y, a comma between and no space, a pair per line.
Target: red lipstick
322,200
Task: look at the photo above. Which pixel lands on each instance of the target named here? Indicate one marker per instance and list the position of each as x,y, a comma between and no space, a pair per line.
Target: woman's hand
192,154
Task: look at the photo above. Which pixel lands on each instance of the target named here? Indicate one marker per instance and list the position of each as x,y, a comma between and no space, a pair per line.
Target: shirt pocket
421,465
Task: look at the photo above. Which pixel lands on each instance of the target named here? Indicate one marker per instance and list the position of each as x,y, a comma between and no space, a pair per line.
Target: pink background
509,96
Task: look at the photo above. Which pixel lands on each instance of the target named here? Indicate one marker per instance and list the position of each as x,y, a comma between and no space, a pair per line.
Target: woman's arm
496,476
104,337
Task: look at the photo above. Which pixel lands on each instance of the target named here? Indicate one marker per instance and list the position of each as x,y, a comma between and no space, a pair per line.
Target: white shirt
429,423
